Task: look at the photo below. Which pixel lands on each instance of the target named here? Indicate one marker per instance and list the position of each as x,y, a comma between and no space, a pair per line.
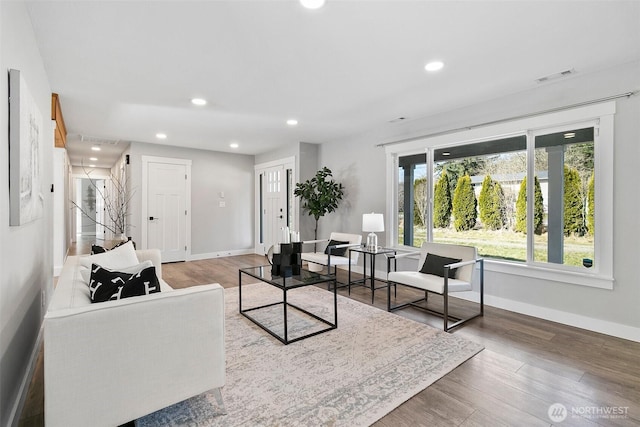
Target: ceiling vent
98,141
554,76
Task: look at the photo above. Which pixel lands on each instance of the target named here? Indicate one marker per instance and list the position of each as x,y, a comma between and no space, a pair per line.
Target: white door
274,208
166,210
100,216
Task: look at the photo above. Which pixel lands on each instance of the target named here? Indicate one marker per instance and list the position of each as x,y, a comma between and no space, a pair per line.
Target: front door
166,210
274,204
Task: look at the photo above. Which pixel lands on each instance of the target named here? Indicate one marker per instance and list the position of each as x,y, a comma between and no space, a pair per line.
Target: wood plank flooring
528,364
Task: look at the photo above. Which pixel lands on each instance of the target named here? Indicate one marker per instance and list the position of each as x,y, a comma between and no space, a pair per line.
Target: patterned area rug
351,376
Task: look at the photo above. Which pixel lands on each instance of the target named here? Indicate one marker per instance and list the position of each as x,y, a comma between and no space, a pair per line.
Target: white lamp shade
372,222
312,4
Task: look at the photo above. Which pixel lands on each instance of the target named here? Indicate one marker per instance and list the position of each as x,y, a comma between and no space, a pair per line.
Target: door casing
146,160
263,168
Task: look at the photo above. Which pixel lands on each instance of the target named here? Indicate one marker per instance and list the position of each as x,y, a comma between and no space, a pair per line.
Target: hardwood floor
527,365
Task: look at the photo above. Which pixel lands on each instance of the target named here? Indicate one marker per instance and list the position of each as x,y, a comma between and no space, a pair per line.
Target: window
291,220
476,193
533,195
564,169
412,206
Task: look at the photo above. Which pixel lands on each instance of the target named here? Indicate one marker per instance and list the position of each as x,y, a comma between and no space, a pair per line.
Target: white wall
283,152
26,267
360,165
214,230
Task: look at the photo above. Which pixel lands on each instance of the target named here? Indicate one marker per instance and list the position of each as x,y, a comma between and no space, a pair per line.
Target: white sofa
112,362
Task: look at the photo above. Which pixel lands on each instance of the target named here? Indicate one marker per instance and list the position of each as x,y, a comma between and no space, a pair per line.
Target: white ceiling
127,70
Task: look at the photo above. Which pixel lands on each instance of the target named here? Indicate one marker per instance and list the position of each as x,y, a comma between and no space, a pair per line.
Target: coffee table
285,284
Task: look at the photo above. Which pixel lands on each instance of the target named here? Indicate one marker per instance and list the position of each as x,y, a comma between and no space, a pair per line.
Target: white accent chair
437,284
328,260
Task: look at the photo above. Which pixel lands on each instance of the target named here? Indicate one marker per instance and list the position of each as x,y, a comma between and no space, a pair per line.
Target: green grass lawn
508,245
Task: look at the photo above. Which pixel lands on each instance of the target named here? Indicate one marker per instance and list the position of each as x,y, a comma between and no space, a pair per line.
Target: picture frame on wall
25,150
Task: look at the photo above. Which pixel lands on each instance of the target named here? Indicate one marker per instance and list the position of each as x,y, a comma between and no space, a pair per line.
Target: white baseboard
571,319
221,254
18,405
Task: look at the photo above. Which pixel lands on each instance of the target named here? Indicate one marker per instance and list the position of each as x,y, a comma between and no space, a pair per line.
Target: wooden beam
56,115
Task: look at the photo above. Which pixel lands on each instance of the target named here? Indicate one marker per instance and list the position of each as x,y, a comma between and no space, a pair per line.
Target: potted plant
319,195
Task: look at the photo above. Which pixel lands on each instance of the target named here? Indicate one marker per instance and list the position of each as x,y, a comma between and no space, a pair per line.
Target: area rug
351,376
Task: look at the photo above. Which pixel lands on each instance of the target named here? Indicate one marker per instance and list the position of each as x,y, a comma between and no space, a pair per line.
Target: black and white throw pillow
97,249
85,272
109,285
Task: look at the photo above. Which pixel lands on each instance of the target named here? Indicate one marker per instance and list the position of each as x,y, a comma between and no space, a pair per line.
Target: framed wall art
25,151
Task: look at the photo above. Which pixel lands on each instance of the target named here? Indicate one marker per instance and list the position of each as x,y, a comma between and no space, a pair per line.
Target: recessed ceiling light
312,4
446,153
199,101
92,166
93,159
434,66
292,122
570,135
234,145
161,135
95,148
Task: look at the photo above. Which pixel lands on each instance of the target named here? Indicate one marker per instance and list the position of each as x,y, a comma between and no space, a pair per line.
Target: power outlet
222,204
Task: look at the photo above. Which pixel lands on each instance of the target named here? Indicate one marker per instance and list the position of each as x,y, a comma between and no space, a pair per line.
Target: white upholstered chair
334,254
450,269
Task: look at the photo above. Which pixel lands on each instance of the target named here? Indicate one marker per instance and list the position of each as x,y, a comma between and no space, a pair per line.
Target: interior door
166,209
273,204
100,216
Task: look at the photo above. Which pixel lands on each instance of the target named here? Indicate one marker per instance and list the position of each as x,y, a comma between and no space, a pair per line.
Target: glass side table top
380,250
305,278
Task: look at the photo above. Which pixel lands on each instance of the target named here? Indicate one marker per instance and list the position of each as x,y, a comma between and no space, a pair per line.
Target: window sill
568,277
537,272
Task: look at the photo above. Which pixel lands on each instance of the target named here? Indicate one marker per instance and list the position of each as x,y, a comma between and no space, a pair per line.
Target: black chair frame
444,314
330,250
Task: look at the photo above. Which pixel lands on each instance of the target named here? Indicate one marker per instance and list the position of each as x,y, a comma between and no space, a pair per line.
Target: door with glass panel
274,203
274,207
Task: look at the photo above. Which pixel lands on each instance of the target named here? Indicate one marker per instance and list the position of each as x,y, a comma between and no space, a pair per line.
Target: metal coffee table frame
306,278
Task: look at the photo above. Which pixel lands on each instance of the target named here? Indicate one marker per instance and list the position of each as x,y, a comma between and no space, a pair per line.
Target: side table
372,267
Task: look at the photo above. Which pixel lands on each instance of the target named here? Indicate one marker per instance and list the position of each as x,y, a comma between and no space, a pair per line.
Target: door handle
151,218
